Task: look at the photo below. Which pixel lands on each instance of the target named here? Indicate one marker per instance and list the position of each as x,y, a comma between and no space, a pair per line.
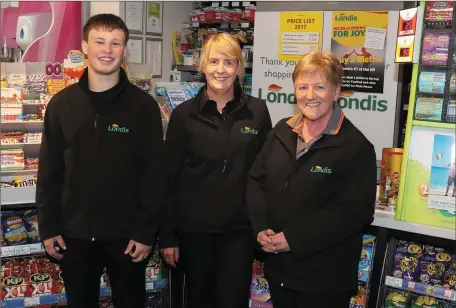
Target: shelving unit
420,288
21,250
386,220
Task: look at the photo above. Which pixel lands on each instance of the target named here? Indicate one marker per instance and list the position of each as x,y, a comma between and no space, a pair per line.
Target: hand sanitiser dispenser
31,27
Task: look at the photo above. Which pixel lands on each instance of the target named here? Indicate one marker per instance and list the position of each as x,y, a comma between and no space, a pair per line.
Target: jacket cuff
168,241
141,238
49,232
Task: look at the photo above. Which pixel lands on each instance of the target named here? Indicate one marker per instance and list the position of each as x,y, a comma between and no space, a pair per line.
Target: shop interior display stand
388,230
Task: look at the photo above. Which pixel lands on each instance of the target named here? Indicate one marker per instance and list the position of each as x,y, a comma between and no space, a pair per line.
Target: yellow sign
300,32
351,28
359,41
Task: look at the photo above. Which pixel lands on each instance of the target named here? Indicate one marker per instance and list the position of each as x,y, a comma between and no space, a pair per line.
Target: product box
429,108
436,48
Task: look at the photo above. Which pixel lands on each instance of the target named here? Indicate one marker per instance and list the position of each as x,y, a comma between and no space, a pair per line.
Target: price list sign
300,32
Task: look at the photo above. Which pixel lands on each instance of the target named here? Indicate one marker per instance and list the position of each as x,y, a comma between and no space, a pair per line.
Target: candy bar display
19,138
11,111
19,182
420,275
12,159
31,163
16,80
36,83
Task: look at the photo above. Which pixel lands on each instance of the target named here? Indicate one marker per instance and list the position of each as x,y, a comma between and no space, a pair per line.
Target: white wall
174,14
107,7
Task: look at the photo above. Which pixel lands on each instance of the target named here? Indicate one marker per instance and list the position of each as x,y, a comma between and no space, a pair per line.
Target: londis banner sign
358,39
372,112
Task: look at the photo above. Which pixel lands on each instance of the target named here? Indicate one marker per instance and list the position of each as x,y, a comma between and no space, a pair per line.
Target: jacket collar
201,99
333,135
123,81
332,128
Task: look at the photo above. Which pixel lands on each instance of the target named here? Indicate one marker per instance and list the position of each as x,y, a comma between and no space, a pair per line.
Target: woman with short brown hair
311,192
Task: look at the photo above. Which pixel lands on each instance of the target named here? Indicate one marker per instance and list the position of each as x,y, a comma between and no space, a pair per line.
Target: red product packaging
249,14
218,14
209,14
58,286
14,284
236,16
40,277
226,15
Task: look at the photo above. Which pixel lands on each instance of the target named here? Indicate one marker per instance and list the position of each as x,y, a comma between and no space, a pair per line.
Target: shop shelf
22,250
420,288
61,298
18,195
22,122
19,171
434,124
19,145
386,220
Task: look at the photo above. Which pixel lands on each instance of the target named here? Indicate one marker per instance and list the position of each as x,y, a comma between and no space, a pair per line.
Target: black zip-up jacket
100,172
208,158
321,201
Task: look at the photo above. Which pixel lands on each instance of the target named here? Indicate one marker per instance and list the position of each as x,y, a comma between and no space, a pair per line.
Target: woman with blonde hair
211,142
311,192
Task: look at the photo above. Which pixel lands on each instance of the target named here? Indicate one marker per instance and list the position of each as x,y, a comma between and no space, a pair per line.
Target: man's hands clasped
272,242
137,251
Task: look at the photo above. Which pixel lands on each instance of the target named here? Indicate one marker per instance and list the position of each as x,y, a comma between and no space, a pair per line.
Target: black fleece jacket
208,157
100,173
321,201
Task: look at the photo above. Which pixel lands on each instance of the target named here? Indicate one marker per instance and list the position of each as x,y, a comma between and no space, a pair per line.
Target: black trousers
218,269
82,266
285,298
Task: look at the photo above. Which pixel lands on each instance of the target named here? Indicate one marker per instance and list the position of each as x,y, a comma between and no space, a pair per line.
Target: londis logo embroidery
319,169
248,130
116,128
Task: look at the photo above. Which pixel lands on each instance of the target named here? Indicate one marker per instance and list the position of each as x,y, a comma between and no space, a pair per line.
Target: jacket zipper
287,180
96,137
225,165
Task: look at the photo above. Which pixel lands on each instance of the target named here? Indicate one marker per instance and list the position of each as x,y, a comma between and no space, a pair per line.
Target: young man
99,178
